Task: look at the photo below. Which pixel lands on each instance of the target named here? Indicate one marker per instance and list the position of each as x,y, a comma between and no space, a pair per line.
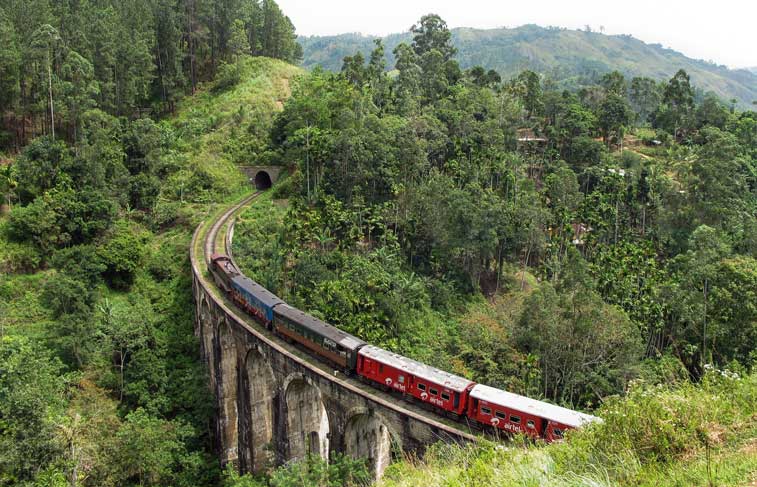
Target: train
445,393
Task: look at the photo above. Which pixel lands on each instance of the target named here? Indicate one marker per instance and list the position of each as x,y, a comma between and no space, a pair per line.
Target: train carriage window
433,392
500,415
515,419
486,411
445,396
422,387
530,423
401,379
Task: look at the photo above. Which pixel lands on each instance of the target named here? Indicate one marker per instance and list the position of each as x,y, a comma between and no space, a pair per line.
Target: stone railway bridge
275,403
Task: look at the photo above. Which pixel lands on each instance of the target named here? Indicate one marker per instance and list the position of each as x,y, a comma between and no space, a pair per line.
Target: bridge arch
226,386
367,436
261,392
307,422
262,180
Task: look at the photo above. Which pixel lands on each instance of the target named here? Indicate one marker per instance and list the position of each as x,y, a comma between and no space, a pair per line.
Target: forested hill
576,58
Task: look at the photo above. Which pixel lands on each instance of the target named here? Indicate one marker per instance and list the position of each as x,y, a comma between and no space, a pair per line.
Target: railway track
211,239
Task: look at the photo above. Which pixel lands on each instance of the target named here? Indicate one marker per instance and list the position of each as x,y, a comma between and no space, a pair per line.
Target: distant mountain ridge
571,57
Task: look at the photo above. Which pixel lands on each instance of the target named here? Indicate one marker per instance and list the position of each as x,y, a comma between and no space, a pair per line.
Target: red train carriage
519,414
439,388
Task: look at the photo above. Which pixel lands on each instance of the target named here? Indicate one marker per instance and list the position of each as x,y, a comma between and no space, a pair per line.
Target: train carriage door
543,423
369,367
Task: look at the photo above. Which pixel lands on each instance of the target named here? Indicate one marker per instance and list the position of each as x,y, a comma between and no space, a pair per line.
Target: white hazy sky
724,31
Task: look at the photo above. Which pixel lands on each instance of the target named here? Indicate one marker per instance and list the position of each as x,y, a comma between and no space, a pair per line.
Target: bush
585,151
286,187
122,254
229,75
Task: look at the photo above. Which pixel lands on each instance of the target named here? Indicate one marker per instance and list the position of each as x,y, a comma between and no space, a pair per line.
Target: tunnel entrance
262,180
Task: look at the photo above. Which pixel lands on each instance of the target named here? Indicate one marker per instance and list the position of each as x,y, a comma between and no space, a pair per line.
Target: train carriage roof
225,262
257,291
527,405
418,369
320,327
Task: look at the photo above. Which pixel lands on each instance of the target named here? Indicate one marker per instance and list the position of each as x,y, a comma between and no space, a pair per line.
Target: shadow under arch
261,391
367,436
307,422
226,387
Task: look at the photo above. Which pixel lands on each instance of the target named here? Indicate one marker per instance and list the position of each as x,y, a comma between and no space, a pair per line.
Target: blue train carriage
325,340
255,299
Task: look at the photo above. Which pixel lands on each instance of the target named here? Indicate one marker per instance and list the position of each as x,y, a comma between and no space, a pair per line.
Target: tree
587,349
408,82
79,90
354,70
122,255
31,403
645,96
675,115
10,58
690,294
431,34
719,190
40,167
123,330
614,83
151,449
528,87
614,116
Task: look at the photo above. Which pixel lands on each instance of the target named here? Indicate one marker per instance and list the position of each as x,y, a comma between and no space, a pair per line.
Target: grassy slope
563,54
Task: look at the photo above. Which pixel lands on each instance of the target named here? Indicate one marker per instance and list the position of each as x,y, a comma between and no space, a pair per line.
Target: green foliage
31,403
123,57
122,254
316,472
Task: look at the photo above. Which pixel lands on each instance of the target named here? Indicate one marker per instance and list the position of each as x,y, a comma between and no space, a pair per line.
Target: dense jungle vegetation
612,252
102,186
563,245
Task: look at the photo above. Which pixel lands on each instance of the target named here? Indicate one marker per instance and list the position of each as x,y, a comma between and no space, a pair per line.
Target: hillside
96,311
569,56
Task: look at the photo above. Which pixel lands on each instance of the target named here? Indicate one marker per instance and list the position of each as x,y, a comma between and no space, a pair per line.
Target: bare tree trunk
50,91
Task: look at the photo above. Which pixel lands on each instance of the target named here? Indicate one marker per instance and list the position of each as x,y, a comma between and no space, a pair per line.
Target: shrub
122,254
